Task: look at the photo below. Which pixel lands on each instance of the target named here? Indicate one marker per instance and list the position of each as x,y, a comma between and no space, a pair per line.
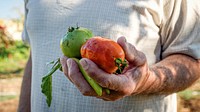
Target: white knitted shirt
156,27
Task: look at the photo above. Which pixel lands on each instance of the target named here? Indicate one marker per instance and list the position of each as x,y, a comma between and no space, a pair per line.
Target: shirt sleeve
25,36
180,28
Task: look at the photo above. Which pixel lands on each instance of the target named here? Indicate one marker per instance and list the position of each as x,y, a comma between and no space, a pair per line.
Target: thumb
132,55
95,72
91,68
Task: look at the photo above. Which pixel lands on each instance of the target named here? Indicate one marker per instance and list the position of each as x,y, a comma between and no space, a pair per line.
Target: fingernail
69,62
125,40
83,62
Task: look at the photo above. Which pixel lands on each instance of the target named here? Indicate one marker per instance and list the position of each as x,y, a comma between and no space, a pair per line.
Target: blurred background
14,54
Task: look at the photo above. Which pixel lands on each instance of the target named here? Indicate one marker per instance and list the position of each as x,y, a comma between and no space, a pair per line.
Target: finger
133,56
110,81
77,78
113,96
63,61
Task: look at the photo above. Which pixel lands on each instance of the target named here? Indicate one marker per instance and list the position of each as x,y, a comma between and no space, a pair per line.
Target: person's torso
48,21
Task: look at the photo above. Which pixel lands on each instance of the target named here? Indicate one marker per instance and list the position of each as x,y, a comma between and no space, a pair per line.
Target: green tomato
72,41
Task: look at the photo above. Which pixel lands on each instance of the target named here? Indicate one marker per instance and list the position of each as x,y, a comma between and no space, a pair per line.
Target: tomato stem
97,88
107,91
120,64
71,29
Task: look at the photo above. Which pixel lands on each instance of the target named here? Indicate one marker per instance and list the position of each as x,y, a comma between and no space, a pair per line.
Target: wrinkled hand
130,82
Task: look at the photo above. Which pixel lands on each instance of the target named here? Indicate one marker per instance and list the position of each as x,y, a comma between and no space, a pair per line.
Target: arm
25,96
172,74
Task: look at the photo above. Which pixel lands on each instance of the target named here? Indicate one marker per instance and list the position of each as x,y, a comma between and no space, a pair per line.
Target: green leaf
47,88
120,64
47,82
52,62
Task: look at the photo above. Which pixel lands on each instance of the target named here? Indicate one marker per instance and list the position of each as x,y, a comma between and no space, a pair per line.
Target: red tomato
103,52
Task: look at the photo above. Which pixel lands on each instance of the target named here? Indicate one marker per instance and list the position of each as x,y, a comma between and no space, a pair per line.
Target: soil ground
9,94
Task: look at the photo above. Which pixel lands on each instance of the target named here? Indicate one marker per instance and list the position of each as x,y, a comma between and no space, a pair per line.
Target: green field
13,59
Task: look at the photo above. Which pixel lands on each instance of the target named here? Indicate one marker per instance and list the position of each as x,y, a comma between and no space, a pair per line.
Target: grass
189,99
7,97
13,59
192,92
189,94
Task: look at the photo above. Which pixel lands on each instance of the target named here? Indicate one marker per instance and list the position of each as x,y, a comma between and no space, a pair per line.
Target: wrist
142,79
151,83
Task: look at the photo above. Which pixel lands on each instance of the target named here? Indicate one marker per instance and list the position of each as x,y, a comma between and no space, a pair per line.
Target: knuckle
86,92
136,74
130,52
115,98
131,48
126,92
127,89
142,57
106,83
63,59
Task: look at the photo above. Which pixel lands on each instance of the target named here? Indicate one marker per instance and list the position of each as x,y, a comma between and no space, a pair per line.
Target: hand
130,82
